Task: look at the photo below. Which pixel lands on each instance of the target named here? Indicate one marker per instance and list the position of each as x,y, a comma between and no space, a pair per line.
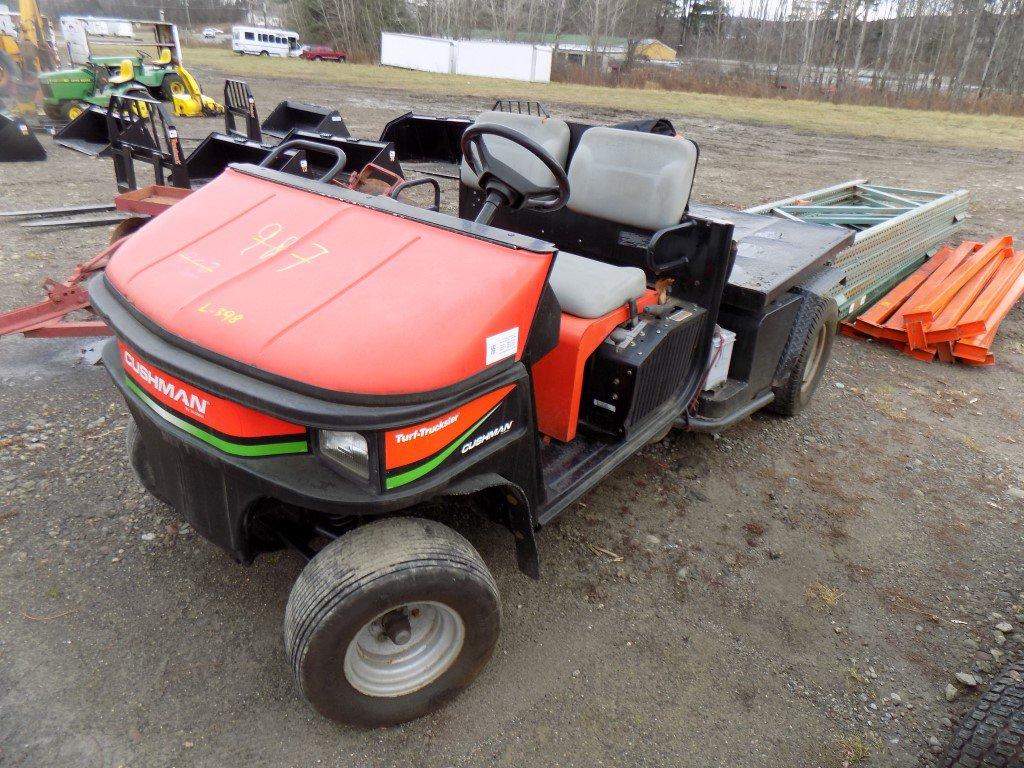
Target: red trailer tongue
329,293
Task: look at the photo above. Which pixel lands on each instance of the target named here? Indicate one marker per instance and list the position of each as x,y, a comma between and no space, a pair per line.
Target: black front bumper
217,492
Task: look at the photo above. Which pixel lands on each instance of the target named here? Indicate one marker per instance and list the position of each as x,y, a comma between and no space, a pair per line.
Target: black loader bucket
420,138
661,126
87,133
358,154
298,115
217,151
17,142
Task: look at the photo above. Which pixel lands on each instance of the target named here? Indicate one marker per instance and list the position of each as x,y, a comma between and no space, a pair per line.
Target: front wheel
806,354
390,621
172,86
71,110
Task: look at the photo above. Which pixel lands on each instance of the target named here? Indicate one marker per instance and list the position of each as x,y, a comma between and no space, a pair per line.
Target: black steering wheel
505,185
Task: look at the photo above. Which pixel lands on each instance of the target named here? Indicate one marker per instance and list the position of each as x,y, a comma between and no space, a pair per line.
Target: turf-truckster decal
414,451
227,426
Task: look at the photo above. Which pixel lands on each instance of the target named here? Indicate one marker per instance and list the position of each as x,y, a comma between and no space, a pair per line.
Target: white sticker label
502,345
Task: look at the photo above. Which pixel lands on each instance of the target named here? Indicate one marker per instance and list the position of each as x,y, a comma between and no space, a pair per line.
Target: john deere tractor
96,78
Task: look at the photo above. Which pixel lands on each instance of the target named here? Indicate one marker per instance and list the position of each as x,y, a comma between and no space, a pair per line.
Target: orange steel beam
873,320
976,320
975,349
946,326
943,285
895,327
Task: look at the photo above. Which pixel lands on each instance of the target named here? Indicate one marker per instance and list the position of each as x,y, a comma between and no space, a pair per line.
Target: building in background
654,50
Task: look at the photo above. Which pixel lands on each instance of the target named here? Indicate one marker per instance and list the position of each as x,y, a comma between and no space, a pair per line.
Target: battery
721,356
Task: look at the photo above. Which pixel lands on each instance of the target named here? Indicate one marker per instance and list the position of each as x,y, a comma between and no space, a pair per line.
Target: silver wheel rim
377,666
811,369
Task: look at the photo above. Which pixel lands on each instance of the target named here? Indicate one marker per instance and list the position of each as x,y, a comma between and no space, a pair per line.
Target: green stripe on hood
235,449
417,472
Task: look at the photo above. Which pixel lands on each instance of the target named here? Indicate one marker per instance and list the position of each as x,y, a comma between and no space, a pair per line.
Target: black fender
507,504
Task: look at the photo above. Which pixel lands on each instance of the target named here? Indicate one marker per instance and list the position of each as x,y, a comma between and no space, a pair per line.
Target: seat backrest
125,72
164,58
637,179
551,134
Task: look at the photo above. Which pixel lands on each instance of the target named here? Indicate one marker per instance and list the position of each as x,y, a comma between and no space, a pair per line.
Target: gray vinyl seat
641,180
551,134
590,288
637,179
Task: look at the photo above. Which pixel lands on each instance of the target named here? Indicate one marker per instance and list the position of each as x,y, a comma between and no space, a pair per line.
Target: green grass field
944,128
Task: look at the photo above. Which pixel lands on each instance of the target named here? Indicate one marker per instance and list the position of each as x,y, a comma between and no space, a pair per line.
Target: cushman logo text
190,400
477,441
405,437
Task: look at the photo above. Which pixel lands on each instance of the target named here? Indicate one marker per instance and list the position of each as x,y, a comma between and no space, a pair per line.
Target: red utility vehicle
323,53
305,363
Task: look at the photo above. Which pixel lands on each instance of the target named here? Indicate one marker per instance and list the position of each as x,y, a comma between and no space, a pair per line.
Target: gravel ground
795,592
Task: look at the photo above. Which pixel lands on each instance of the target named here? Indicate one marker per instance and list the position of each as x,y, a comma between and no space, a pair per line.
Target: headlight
348,450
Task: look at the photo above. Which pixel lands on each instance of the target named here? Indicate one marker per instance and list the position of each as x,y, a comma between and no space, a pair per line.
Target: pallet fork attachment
240,106
232,145
17,142
140,129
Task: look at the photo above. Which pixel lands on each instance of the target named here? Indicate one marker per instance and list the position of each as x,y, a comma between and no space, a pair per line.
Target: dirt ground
793,592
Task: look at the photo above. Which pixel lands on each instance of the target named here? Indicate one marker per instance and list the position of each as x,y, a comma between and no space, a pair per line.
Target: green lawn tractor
96,78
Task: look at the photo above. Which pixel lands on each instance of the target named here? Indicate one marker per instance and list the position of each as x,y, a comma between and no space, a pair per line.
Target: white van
265,41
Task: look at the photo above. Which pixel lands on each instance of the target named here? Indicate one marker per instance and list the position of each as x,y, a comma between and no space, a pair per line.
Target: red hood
327,292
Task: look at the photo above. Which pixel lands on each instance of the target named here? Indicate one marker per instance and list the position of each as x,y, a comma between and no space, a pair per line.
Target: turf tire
806,347
992,734
71,109
371,569
168,85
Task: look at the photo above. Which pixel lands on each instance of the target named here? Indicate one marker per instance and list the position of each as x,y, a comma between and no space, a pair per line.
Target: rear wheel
390,621
992,734
264,53
126,227
172,86
807,352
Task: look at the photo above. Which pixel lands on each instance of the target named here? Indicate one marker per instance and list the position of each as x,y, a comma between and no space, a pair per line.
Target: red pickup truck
323,53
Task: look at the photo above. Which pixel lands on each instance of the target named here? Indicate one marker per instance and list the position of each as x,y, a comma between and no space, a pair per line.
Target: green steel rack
897,229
